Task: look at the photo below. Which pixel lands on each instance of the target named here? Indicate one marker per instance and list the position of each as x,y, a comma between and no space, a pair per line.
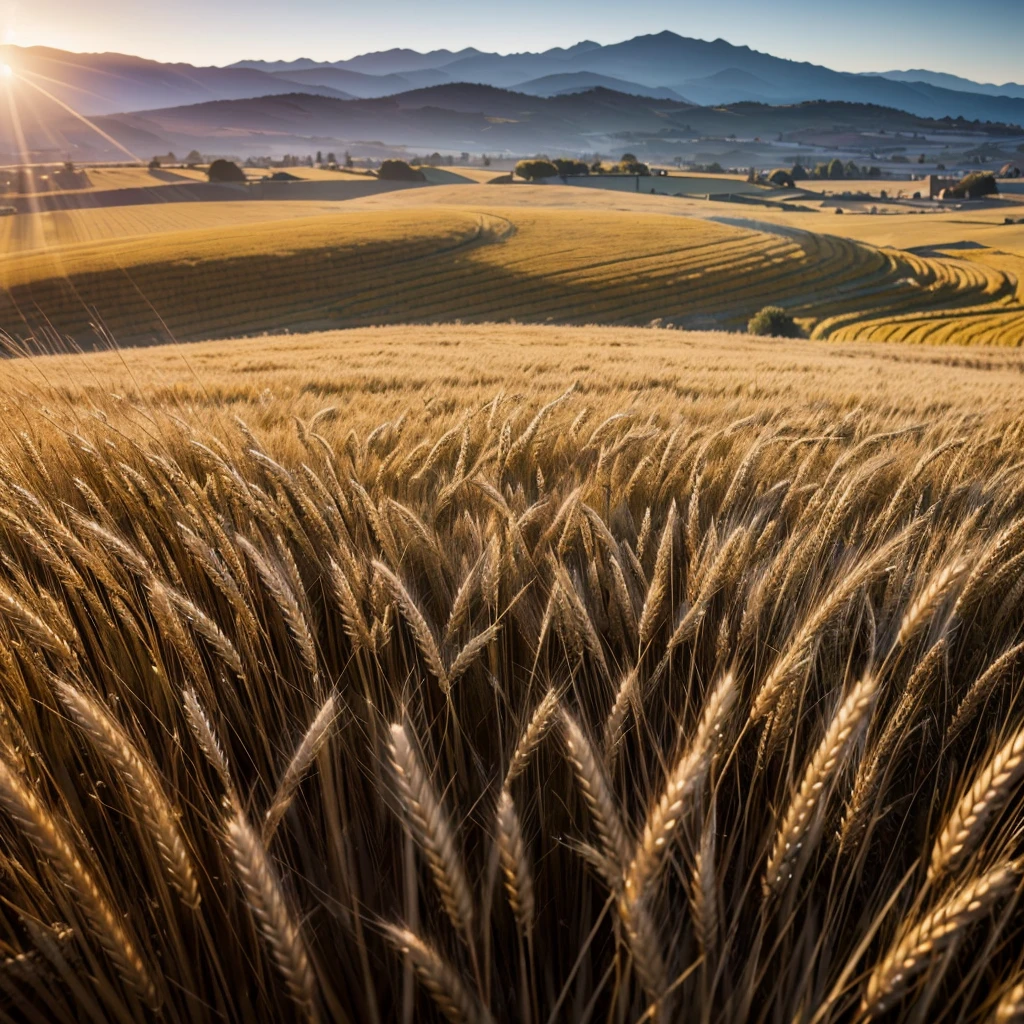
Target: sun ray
81,117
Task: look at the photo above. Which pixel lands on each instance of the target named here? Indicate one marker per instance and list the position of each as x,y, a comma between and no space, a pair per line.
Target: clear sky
980,41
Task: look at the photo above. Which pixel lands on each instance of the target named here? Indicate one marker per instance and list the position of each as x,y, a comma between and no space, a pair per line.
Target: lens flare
6,71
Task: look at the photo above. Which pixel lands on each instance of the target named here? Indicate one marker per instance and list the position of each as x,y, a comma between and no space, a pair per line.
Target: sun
6,71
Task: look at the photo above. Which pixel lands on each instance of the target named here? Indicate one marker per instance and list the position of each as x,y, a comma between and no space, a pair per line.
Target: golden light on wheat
444,701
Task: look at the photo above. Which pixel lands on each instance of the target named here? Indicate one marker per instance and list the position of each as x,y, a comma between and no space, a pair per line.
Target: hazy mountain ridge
663,65
478,118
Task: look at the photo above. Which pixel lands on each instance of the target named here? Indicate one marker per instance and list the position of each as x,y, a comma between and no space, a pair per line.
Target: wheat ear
439,978
312,742
514,862
540,722
417,623
658,590
208,742
1010,1008
684,780
916,947
596,791
807,805
277,923
430,827
50,839
928,600
965,827
160,817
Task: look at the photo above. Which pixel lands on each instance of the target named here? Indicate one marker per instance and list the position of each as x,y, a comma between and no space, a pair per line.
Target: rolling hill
477,118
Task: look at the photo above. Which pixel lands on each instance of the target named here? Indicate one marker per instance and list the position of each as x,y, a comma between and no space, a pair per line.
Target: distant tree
631,167
773,322
485,160
752,176
782,178
921,159
851,170
798,173
194,157
974,186
628,158
534,170
876,172
821,170
332,159
319,157
69,166
568,166
348,159
836,172
940,167
715,168
597,167
154,164
399,170
225,170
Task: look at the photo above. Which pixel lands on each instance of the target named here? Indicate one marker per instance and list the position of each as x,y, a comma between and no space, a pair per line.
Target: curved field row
433,264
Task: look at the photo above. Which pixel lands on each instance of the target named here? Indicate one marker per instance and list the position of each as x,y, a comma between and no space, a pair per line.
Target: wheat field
402,259
483,673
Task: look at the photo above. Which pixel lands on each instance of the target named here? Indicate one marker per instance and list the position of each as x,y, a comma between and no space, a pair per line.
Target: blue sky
984,42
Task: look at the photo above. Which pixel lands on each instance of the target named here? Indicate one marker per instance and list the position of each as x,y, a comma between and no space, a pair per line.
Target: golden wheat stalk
276,921
52,842
596,791
305,753
1010,1008
685,779
805,809
439,978
432,831
514,862
964,829
142,782
205,735
658,590
536,729
922,942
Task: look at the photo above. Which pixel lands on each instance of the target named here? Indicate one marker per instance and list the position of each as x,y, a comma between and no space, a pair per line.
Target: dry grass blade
305,753
432,830
279,926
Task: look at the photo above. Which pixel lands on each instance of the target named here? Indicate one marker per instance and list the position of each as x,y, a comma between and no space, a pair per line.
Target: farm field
440,253
512,668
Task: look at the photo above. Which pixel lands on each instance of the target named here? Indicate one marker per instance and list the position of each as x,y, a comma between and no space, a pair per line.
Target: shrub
798,173
225,170
836,171
781,178
631,167
773,322
399,170
534,170
974,186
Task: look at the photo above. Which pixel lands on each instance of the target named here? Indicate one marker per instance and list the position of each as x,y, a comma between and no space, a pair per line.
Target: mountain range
663,66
